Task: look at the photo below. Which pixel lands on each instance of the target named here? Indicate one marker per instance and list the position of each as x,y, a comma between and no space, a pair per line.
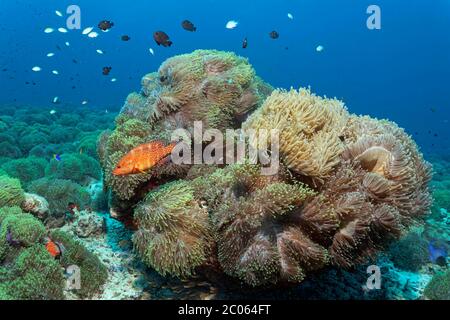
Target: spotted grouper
143,158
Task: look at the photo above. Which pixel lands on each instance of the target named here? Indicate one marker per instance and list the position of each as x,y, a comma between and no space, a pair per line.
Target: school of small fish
161,38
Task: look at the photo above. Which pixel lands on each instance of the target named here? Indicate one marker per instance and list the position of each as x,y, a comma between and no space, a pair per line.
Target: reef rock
36,205
88,225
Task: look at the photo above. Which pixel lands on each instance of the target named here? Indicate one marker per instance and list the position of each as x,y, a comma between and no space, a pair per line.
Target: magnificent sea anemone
347,185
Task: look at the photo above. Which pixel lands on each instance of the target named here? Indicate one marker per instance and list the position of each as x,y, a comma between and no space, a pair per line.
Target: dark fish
105,25
188,26
441,261
74,61
245,43
106,70
58,47
125,38
274,35
161,38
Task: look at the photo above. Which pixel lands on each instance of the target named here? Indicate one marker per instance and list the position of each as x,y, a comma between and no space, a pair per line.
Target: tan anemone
309,127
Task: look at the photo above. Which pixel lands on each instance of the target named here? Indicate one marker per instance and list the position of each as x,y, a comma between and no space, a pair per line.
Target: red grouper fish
143,158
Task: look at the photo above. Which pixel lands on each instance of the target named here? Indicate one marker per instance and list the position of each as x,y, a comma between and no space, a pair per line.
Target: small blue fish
57,157
437,253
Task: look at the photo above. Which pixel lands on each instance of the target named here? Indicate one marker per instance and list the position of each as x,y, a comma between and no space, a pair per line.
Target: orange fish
143,158
53,249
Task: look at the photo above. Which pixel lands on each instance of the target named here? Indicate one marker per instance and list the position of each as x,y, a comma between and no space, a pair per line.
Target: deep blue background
401,72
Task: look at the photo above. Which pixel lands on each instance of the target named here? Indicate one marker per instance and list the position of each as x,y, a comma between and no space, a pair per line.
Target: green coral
60,134
8,150
439,287
29,272
29,141
410,253
75,167
93,273
174,236
88,145
26,169
11,192
36,275
24,228
69,120
59,193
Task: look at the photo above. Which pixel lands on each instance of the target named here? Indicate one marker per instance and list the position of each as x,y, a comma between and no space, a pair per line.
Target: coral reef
79,168
59,193
11,192
346,188
217,88
26,169
88,225
36,205
410,253
310,128
27,269
93,272
439,287
174,236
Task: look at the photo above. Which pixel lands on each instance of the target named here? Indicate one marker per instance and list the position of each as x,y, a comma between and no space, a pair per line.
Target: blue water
400,72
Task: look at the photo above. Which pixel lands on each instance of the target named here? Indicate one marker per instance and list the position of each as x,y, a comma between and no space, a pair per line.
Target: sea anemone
173,236
11,192
309,128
